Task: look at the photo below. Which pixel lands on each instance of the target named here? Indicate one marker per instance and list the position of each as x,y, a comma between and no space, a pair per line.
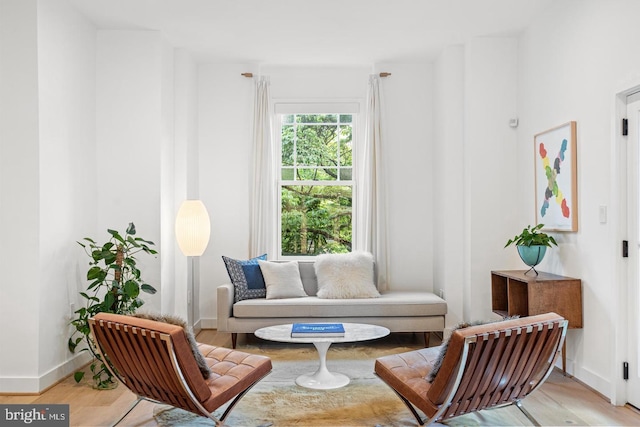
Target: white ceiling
318,32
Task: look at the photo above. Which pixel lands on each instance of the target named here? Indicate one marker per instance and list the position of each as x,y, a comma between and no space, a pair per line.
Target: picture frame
555,166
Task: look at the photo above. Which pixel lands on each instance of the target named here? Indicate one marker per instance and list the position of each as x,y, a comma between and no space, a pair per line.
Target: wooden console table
514,293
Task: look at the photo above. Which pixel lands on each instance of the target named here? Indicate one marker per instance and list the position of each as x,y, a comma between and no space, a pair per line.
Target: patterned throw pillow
246,277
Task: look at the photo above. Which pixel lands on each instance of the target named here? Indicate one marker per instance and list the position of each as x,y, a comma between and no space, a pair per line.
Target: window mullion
295,146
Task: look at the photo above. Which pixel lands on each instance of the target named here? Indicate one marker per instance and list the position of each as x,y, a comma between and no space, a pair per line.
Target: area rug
278,401
366,401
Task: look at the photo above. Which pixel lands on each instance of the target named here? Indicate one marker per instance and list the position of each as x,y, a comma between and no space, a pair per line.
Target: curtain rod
250,75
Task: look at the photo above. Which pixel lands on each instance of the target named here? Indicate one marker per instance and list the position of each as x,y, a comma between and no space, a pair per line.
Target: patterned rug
366,401
278,401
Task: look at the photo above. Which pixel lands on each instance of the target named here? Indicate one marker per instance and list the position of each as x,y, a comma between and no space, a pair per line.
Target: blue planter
532,255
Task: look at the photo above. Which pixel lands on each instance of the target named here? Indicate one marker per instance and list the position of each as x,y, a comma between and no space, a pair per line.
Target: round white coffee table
323,379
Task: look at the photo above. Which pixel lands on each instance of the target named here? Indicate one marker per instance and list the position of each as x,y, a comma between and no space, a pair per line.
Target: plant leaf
78,376
140,239
148,289
109,299
131,229
131,289
133,242
109,257
116,235
94,273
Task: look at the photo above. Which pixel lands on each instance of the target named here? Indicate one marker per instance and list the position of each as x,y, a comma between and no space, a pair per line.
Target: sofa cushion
282,279
308,276
390,304
347,275
246,277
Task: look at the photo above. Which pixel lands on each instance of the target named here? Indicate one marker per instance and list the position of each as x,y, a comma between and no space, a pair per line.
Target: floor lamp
193,229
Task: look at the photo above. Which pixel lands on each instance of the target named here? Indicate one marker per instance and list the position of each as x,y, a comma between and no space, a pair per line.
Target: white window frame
284,107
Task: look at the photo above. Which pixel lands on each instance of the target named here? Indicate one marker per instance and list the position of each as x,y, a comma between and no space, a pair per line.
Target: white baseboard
35,385
600,384
209,323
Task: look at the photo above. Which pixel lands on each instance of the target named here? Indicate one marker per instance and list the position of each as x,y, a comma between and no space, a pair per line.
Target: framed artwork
556,178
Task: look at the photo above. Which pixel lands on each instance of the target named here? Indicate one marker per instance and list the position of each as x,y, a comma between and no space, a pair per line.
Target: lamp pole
193,229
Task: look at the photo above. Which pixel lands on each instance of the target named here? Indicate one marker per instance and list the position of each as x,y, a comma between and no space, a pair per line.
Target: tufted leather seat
485,366
155,361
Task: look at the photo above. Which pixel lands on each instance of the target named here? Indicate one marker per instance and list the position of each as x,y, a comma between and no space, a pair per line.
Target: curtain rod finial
385,74
249,75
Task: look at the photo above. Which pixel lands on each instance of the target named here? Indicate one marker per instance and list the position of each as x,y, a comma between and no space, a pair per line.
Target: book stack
305,330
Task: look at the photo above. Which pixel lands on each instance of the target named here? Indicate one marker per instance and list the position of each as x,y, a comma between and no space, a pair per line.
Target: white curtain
262,183
372,230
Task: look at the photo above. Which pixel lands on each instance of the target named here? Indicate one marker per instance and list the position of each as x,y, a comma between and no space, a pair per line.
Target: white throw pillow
282,279
345,275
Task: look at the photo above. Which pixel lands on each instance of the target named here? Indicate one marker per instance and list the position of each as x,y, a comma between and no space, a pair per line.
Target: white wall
224,136
47,193
182,159
573,59
19,194
409,159
225,114
474,172
67,103
87,143
131,128
448,179
490,99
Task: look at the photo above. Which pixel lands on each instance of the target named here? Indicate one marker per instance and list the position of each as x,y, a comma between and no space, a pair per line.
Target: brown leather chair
155,361
485,366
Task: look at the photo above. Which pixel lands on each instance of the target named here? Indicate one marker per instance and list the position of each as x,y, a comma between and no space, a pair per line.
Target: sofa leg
427,335
234,340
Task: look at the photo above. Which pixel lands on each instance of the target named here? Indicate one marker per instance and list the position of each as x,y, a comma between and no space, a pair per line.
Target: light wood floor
560,401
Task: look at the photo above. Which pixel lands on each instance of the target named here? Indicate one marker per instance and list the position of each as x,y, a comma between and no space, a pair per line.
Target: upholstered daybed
399,311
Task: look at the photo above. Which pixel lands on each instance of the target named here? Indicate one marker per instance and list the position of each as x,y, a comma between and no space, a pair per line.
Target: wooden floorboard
560,401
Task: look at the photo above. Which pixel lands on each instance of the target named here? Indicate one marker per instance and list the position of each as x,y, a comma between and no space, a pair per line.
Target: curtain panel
261,236
372,224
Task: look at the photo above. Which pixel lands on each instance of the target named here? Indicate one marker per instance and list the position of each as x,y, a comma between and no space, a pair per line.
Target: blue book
300,330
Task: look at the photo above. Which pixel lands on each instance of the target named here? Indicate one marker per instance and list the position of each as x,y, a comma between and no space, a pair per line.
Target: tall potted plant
532,245
115,284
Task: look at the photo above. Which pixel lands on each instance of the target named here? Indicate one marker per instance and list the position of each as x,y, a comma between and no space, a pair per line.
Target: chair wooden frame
147,363
490,366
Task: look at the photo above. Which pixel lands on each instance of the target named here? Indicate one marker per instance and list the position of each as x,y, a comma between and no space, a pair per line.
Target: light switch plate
603,214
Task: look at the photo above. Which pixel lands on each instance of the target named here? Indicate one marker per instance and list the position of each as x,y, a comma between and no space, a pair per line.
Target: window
316,183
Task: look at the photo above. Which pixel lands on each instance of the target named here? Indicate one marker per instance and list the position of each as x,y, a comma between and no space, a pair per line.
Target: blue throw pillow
246,277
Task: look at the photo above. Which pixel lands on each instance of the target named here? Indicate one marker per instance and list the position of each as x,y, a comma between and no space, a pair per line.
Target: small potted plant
532,245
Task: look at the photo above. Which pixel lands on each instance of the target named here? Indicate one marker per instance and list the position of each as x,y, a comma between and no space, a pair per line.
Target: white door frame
619,227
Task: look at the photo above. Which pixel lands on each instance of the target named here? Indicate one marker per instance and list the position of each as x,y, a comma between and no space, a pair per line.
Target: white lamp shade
193,228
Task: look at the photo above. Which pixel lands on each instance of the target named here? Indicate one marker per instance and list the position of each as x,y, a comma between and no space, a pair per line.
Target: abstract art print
556,178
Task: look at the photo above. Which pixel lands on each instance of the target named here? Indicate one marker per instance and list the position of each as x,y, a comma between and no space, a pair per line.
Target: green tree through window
316,187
